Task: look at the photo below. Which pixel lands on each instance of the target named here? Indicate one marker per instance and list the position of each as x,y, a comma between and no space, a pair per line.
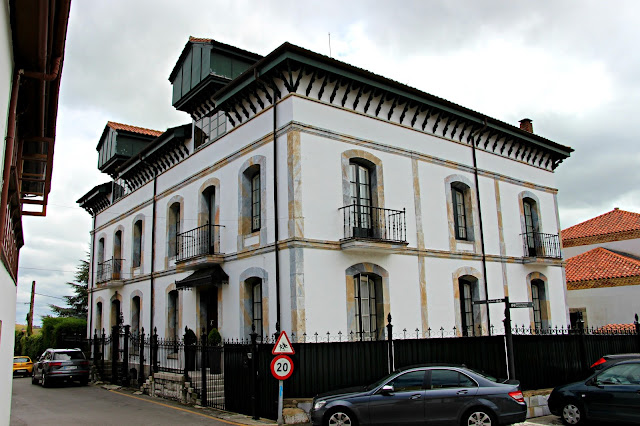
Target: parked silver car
424,395
61,365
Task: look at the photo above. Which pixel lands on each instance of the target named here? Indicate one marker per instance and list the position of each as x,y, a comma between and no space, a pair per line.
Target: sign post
282,367
508,335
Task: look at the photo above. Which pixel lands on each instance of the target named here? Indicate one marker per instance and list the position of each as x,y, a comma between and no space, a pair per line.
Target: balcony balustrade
374,223
537,244
109,270
201,241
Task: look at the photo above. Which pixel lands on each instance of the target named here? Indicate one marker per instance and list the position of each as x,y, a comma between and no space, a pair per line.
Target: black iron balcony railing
537,244
109,270
201,241
374,223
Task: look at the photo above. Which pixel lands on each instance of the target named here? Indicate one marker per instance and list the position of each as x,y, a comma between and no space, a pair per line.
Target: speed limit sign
281,367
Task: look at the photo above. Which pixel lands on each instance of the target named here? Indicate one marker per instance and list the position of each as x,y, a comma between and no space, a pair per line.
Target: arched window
172,316
369,313
135,315
255,288
137,243
532,227
117,255
361,213
173,229
462,211
468,311
255,201
99,318
540,311
208,236
115,312
100,270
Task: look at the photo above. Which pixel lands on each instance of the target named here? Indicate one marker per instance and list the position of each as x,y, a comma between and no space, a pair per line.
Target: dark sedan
61,365
425,395
610,395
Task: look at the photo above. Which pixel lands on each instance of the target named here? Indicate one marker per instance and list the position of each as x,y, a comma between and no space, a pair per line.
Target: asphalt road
73,404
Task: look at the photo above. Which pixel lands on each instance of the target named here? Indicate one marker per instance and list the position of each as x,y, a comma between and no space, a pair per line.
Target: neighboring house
367,205
31,55
603,268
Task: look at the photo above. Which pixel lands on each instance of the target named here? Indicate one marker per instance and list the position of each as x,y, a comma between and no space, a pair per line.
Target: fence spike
340,336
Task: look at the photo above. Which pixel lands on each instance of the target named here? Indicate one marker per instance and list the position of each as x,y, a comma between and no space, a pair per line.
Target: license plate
21,371
70,367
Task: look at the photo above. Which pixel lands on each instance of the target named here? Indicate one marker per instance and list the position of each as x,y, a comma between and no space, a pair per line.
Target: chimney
527,125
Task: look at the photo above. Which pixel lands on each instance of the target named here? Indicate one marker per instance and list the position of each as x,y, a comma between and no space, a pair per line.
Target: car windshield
21,360
68,356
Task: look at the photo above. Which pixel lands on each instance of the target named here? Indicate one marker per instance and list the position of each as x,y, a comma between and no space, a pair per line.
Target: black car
610,395
608,360
425,395
57,365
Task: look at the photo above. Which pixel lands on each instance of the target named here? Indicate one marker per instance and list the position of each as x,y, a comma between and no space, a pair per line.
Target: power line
54,297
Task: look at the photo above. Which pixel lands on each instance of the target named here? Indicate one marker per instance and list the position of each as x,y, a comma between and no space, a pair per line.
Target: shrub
214,337
56,330
189,336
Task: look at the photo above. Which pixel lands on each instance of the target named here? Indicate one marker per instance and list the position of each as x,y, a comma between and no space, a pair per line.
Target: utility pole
30,324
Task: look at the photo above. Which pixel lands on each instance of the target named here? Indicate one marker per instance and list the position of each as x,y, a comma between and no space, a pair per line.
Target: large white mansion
375,198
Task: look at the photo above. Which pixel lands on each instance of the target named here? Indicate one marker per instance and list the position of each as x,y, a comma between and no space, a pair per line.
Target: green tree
77,304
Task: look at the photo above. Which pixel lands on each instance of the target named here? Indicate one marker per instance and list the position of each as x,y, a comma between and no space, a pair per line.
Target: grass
36,330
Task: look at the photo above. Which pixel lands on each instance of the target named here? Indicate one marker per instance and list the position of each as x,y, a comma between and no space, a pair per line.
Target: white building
603,269
31,55
366,205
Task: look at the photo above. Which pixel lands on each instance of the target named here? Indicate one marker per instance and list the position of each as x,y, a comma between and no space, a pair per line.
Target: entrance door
209,307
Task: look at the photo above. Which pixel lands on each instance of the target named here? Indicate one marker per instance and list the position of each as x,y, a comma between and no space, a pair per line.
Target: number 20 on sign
281,367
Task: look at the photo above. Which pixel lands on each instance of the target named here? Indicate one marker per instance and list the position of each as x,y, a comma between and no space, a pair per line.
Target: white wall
611,305
627,246
7,285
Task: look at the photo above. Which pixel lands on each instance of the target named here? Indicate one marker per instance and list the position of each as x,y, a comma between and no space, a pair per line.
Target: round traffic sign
281,367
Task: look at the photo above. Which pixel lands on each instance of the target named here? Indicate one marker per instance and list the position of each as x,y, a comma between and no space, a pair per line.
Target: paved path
92,405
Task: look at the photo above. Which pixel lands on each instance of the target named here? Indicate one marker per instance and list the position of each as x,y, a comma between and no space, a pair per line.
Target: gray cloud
571,67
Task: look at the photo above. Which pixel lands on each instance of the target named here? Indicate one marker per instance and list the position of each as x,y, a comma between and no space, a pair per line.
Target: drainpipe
256,75
93,246
484,257
275,203
153,244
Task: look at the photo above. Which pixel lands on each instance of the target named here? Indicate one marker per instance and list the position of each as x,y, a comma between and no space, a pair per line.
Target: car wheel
478,417
84,381
45,382
572,413
340,417
34,381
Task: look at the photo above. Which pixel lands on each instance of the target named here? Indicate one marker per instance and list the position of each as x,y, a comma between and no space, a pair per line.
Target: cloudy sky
572,67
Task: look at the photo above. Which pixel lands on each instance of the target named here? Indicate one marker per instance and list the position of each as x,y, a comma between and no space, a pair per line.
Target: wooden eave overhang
280,63
97,198
38,33
201,93
162,153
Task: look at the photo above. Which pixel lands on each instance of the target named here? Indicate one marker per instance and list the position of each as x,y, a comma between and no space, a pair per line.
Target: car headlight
319,404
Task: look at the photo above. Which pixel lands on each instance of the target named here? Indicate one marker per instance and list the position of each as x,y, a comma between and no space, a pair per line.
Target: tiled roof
199,39
609,223
616,329
134,129
600,263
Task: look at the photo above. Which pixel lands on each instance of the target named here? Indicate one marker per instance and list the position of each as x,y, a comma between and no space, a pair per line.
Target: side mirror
387,390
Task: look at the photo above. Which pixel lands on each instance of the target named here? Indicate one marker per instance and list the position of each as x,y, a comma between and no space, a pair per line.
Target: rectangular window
459,214
255,202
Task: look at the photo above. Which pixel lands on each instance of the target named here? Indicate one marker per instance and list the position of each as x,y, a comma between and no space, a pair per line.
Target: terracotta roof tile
134,129
601,263
199,39
616,328
609,223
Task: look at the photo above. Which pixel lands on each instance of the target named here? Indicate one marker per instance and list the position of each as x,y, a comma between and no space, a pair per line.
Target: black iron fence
235,375
374,223
537,244
109,270
201,241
